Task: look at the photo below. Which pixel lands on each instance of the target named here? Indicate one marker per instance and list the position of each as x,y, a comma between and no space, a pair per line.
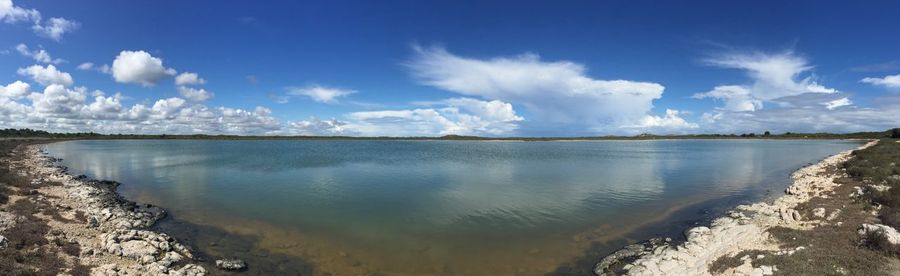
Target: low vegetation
29,251
836,248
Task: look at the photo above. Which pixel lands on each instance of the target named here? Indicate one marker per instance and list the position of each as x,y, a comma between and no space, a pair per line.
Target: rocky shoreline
112,232
744,228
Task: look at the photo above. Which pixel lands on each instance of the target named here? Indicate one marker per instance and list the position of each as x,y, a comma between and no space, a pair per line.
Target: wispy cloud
892,81
322,94
877,67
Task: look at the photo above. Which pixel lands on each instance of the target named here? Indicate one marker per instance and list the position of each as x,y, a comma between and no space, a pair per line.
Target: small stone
231,264
138,249
819,212
796,215
889,233
3,242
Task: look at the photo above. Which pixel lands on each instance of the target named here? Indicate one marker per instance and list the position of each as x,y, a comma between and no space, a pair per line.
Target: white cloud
831,105
139,67
462,116
15,90
46,75
89,66
86,66
315,126
166,108
104,107
55,28
194,94
774,75
672,121
320,93
10,13
558,94
39,55
58,101
807,119
188,78
801,104
892,81
737,98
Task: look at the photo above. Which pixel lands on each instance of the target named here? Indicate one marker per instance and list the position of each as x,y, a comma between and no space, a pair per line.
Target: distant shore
27,133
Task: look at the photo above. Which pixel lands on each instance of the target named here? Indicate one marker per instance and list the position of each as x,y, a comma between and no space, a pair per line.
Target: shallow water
437,207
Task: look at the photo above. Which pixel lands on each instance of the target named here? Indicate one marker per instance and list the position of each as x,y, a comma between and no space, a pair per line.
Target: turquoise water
437,207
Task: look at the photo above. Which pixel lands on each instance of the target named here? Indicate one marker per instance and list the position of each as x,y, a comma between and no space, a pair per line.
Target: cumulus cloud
557,93
319,93
39,55
55,28
892,81
10,13
316,126
58,101
47,75
671,122
463,116
15,90
188,78
194,94
139,67
59,108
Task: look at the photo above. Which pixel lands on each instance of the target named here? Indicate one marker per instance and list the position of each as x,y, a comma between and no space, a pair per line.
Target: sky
431,68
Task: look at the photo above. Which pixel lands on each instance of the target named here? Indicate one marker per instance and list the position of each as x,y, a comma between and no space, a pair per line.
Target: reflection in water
437,207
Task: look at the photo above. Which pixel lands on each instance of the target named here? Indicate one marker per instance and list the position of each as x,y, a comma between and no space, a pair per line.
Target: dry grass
726,262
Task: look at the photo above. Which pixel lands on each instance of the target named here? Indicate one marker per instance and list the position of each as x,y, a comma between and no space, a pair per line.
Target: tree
767,133
895,133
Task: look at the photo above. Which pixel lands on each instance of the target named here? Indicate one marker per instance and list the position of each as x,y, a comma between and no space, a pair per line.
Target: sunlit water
437,207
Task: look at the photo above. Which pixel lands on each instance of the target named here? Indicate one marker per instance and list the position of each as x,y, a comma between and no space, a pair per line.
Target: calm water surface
437,207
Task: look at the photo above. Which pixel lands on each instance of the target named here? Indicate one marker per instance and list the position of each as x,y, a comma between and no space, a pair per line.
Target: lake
437,207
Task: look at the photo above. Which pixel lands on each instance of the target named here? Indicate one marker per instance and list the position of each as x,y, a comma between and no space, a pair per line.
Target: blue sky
493,68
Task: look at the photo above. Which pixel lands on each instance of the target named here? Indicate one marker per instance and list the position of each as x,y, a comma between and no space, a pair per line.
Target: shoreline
744,228
113,232
117,243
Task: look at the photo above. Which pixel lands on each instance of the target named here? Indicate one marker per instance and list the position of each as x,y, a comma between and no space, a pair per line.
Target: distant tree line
25,132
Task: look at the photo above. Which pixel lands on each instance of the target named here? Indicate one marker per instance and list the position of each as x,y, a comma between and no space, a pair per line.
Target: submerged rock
231,264
606,266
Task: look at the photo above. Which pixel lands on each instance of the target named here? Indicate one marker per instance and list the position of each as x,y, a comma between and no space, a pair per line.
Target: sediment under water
435,207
